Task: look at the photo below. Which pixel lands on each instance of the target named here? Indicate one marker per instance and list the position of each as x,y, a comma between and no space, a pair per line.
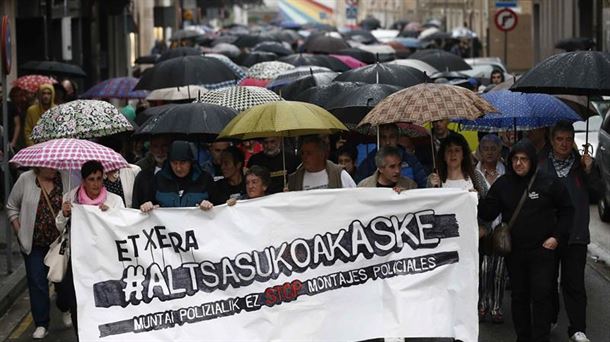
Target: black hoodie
547,211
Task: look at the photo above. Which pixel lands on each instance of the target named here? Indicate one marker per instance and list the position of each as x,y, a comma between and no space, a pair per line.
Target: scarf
84,199
562,167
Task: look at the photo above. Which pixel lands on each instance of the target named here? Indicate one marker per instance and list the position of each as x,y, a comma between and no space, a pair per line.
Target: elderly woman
91,191
258,179
492,273
32,205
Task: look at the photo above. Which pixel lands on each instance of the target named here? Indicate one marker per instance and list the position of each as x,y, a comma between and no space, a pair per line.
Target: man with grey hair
388,161
315,171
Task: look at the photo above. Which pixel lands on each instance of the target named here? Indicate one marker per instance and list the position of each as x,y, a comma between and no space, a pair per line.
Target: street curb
11,288
599,253
599,261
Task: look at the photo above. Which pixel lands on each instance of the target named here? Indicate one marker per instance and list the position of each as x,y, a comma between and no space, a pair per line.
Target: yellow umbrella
282,119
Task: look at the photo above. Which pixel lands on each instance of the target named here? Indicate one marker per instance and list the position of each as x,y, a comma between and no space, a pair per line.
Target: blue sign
351,12
506,3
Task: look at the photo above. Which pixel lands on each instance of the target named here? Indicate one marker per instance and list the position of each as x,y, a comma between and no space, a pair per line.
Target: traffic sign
506,19
506,3
5,45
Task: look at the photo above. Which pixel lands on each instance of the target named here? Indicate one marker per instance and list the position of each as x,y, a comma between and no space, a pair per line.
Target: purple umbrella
115,88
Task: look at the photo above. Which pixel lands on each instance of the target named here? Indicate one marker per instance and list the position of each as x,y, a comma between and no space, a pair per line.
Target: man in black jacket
580,178
543,221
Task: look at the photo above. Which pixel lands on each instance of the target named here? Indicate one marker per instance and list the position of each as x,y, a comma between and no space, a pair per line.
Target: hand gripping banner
349,264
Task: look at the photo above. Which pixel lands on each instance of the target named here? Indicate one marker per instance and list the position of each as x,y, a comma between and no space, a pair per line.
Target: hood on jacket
49,87
523,146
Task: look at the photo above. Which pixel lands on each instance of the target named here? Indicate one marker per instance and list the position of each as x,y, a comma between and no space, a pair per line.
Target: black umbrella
229,39
575,44
437,36
250,40
324,43
351,105
573,73
288,36
409,34
322,95
147,59
185,34
275,47
54,68
393,74
360,36
179,52
189,120
180,71
399,24
359,54
292,91
441,60
256,57
299,59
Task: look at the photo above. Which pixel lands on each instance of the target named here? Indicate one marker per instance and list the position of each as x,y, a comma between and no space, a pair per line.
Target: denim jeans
38,285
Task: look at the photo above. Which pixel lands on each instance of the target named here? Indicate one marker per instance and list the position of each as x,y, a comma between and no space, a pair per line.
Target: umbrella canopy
321,95
31,83
351,62
412,43
115,88
417,64
288,36
292,75
463,32
185,34
274,47
359,54
83,119
68,154
54,68
351,105
240,98
189,120
188,92
294,90
575,44
282,118
360,36
521,111
239,71
147,59
226,49
428,102
180,71
398,75
575,73
301,59
323,43
250,40
256,57
450,75
441,60
179,52
268,70
427,32
437,36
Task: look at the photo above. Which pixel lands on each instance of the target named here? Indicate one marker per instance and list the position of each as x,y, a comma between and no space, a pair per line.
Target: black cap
181,151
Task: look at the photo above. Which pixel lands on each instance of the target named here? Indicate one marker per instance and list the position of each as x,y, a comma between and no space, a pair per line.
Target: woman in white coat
91,191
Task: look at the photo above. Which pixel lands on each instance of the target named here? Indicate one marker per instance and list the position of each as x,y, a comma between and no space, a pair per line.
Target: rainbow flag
305,11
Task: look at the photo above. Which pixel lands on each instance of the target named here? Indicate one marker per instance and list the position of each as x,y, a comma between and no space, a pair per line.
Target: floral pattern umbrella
240,98
68,154
268,70
32,82
80,119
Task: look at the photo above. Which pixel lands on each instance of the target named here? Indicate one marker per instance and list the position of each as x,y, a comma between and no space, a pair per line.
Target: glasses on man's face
522,160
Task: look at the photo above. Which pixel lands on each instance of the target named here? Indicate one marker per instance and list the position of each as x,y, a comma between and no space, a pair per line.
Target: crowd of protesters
549,236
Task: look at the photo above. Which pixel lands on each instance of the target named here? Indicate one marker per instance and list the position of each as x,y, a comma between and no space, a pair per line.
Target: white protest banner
349,264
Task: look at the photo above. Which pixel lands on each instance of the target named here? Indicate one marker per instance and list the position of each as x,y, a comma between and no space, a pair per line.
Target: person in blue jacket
181,182
410,167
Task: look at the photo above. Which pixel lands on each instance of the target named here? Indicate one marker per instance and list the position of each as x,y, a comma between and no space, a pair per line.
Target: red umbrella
31,83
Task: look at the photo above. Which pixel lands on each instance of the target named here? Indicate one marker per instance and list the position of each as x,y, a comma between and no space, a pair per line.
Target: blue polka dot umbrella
521,111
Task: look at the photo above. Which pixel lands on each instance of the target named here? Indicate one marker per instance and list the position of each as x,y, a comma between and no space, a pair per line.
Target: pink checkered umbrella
68,154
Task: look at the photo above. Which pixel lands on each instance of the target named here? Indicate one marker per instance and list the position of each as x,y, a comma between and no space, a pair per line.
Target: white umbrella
176,93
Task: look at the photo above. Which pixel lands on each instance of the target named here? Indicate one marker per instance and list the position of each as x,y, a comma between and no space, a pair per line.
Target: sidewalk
11,285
